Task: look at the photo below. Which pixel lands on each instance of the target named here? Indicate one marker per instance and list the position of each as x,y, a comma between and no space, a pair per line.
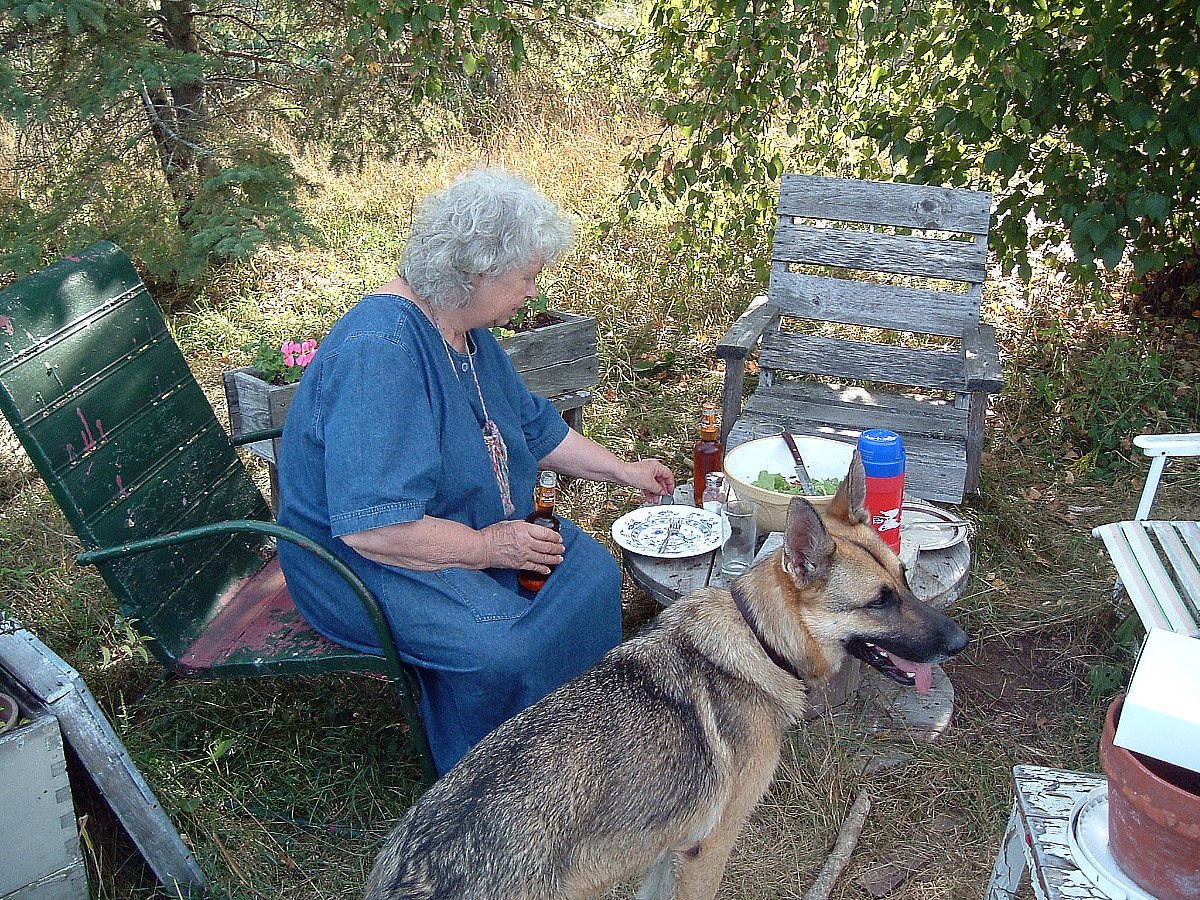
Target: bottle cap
882,453
548,479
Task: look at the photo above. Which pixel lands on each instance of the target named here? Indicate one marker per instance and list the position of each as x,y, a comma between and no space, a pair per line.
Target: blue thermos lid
882,453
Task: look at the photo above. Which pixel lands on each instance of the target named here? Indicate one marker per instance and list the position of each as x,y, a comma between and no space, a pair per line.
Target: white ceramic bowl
823,458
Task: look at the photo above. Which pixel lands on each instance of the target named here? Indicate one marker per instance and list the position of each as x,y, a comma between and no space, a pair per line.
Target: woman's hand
522,545
651,477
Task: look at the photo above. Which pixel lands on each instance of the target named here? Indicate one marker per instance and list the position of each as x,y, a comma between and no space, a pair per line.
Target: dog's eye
887,598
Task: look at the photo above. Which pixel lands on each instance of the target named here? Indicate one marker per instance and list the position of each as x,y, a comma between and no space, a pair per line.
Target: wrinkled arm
429,544
581,457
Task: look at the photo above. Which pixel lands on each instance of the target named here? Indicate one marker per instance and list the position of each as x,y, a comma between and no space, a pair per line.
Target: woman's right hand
522,545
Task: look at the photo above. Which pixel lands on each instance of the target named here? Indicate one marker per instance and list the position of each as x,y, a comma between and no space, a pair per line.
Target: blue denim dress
385,428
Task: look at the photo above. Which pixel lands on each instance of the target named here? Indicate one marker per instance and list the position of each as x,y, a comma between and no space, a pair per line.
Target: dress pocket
487,599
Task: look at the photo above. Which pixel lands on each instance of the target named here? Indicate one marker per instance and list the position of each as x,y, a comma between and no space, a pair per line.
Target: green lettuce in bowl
770,481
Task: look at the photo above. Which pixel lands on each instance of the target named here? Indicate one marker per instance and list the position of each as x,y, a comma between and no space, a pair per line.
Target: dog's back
641,744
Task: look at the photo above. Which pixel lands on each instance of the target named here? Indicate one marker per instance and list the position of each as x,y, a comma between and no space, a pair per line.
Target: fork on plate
672,529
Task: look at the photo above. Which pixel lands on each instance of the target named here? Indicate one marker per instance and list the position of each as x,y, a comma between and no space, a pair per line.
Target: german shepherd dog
653,759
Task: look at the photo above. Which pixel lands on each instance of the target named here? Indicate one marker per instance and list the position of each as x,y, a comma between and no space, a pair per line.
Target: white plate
1087,835
929,538
644,530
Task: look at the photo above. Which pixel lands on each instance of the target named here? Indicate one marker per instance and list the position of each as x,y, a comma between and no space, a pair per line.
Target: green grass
285,788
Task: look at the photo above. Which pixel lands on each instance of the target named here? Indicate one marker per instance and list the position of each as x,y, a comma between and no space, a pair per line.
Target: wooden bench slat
857,408
936,453
1158,579
923,206
1124,552
862,360
871,305
896,254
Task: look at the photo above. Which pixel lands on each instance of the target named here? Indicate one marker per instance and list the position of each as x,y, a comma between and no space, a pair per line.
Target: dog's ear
807,547
849,504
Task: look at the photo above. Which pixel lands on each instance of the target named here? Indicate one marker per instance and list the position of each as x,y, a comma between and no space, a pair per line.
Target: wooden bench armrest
234,526
746,331
734,348
981,360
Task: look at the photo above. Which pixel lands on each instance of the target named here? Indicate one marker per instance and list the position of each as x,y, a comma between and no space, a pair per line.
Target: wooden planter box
256,405
40,856
558,361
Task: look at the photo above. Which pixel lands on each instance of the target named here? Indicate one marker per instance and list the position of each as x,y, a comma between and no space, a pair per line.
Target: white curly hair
488,222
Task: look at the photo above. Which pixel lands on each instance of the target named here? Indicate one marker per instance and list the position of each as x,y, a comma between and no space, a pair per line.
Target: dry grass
285,788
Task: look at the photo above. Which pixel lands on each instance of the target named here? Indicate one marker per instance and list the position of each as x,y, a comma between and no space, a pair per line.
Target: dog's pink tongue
922,671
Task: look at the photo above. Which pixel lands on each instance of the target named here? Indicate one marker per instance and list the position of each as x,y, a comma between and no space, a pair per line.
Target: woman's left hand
651,477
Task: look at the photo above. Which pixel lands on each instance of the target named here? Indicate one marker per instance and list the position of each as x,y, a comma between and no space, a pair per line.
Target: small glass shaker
714,491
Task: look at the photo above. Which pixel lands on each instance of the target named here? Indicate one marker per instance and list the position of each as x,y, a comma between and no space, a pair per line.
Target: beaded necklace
492,439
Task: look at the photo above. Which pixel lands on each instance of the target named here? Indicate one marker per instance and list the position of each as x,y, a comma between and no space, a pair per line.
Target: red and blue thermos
882,455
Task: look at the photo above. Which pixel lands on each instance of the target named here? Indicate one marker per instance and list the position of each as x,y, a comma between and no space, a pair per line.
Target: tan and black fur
654,758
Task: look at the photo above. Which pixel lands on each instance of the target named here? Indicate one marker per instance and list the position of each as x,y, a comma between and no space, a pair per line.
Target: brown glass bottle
709,454
545,494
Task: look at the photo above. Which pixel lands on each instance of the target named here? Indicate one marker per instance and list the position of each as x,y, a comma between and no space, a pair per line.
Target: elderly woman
412,448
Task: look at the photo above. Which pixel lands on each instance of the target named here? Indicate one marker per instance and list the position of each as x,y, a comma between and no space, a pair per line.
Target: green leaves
1083,119
74,15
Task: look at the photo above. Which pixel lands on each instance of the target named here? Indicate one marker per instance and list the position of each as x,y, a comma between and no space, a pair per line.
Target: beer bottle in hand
708,454
544,496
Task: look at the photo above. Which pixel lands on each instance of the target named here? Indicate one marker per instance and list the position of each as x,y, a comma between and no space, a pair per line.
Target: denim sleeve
382,461
545,428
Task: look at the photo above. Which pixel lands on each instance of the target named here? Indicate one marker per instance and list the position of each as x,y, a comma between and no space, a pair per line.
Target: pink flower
298,354
306,352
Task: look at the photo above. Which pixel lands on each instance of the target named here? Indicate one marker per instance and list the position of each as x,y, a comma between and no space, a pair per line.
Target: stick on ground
839,857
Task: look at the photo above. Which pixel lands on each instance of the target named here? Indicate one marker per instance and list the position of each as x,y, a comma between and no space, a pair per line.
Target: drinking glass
765,430
738,551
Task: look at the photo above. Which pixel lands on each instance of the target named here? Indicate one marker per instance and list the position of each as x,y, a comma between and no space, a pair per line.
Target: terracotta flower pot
1153,817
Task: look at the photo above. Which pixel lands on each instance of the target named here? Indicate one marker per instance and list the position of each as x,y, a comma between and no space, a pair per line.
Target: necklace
492,439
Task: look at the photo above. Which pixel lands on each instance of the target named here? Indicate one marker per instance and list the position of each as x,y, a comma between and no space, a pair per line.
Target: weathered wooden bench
1158,562
111,416
907,262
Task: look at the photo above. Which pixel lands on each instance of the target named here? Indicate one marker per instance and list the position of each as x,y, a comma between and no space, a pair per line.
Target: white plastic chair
1160,447
1158,562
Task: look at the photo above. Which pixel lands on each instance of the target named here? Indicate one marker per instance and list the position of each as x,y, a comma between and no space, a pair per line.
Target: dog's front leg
701,867
659,881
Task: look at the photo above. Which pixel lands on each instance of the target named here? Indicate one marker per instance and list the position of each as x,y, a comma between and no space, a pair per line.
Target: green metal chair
105,405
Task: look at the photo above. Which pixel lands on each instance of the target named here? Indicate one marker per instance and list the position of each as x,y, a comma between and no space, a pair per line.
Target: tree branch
839,857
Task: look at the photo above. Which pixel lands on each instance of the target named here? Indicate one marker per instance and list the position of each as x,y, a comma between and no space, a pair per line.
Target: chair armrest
234,526
745,332
1169,444
1159,447
251,437
981,360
